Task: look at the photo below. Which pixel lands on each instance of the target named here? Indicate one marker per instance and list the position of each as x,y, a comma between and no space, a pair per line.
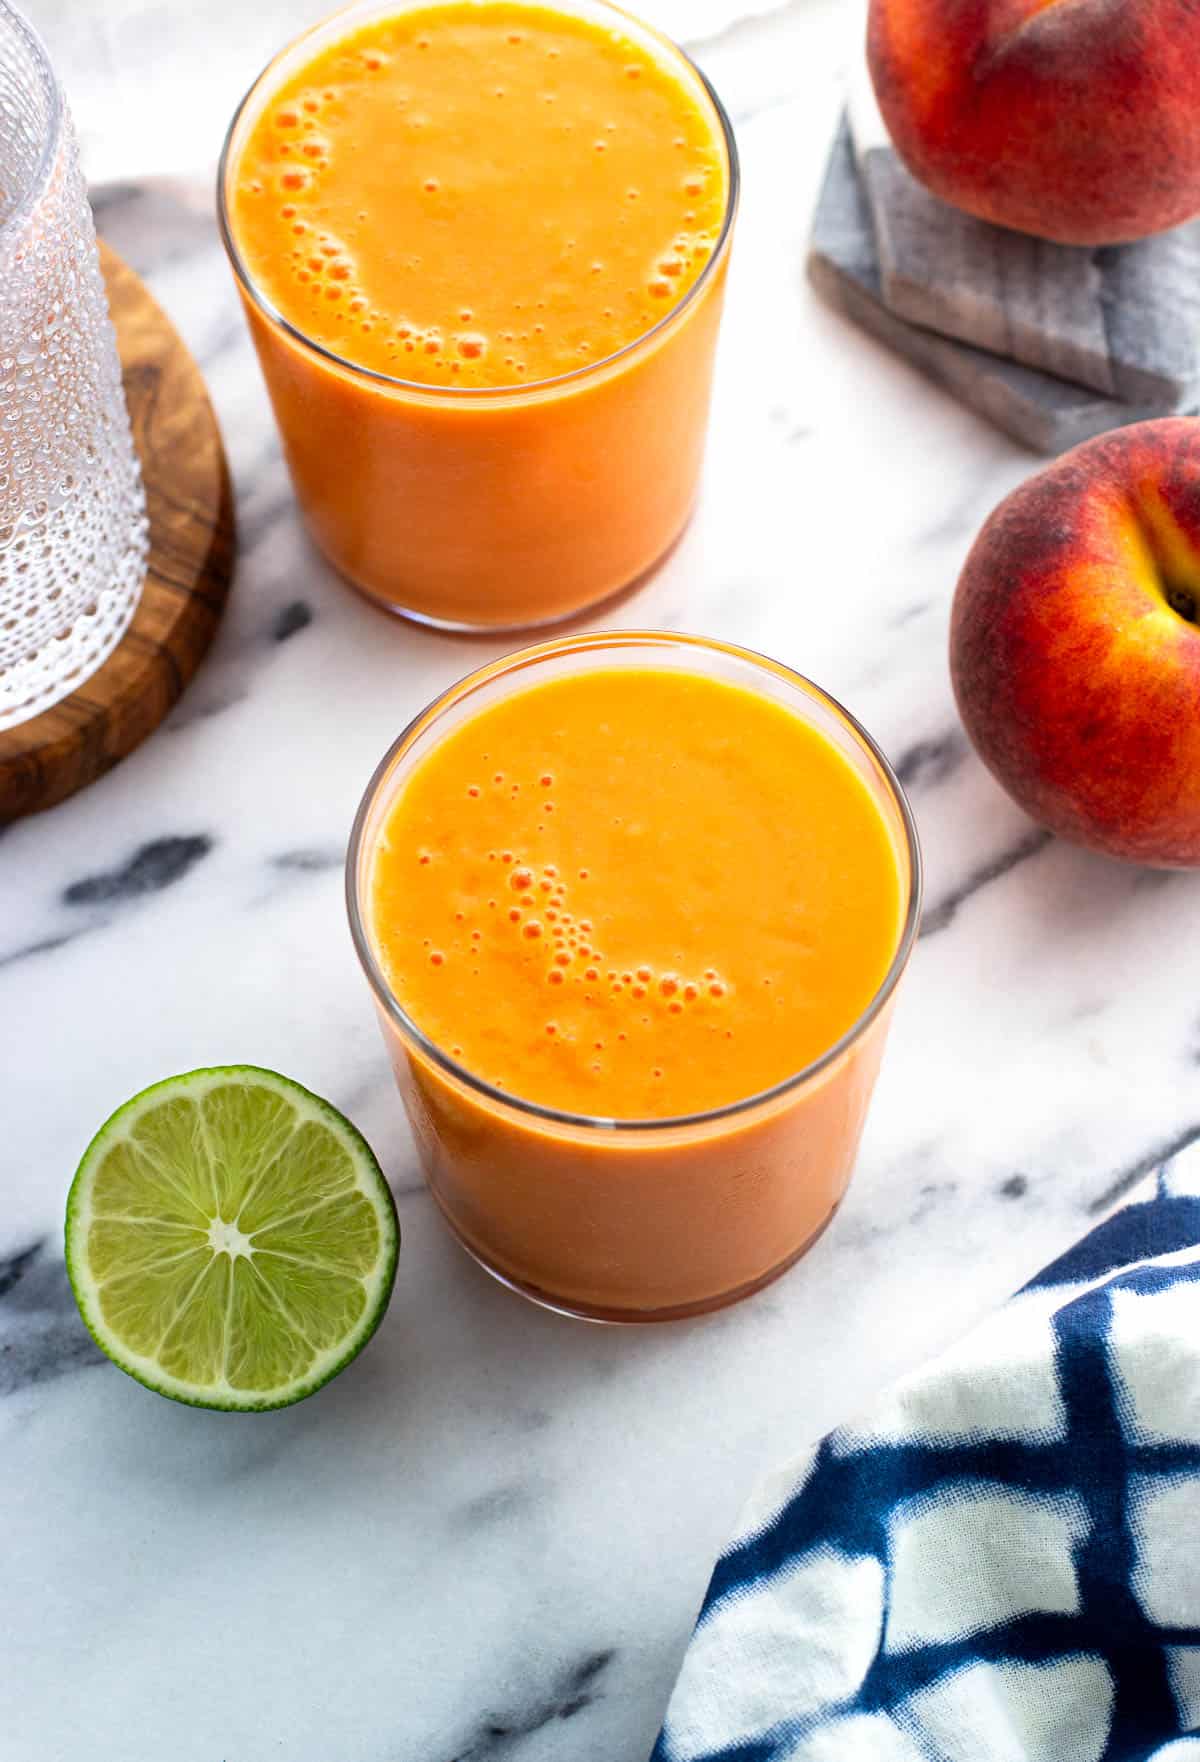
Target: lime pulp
231,1240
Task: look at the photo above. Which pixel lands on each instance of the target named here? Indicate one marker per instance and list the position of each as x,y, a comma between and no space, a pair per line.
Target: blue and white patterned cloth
1002,1563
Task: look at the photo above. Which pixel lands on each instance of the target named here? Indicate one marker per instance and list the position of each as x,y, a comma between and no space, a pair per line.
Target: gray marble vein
40,1335
941,912
309,861
149,869
929,762
1124,1180
501,1735
297,615
42,945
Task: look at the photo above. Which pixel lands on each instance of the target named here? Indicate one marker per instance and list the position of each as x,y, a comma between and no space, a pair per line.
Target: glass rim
484,393
36,186
532,656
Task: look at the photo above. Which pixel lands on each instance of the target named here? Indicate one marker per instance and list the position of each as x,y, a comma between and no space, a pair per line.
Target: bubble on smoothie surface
308,137
560,947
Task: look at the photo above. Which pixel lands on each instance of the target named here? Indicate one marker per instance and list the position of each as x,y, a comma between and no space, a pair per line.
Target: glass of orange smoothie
481,246
634,909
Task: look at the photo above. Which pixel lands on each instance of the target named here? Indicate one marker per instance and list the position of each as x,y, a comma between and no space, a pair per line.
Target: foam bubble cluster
597,275
542,914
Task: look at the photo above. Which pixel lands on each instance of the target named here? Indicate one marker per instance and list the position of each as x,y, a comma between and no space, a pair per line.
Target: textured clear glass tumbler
73,534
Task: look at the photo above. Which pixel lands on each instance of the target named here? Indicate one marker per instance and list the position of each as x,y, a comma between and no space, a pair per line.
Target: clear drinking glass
493,507
73,532
635,1220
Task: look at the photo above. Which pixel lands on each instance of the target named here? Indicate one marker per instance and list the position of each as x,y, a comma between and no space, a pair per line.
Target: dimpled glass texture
73,535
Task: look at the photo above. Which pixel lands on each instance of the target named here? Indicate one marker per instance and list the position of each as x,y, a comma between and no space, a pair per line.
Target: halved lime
231,1240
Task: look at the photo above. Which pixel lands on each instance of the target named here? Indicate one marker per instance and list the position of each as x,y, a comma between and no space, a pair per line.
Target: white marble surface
488,1539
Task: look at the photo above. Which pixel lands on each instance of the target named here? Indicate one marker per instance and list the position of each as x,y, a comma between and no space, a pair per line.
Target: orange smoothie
481,246
633,908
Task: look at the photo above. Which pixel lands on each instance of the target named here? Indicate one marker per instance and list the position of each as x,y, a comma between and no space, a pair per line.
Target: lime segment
231,1240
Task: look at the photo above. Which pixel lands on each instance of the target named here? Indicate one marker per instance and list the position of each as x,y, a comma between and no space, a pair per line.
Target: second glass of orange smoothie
633,909
481,245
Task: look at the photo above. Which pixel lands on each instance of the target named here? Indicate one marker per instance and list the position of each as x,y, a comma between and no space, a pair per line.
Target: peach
1075,644
1076,120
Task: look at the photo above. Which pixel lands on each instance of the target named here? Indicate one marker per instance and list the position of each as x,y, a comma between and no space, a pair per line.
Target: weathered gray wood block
1124,321
1042,412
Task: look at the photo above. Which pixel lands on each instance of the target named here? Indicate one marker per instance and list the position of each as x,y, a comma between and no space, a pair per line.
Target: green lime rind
306,1224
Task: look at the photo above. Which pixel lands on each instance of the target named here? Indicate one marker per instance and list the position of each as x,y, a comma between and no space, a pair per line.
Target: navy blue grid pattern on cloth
1002,1562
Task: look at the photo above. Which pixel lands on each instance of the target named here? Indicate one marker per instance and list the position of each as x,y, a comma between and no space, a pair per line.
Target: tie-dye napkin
1002,1562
